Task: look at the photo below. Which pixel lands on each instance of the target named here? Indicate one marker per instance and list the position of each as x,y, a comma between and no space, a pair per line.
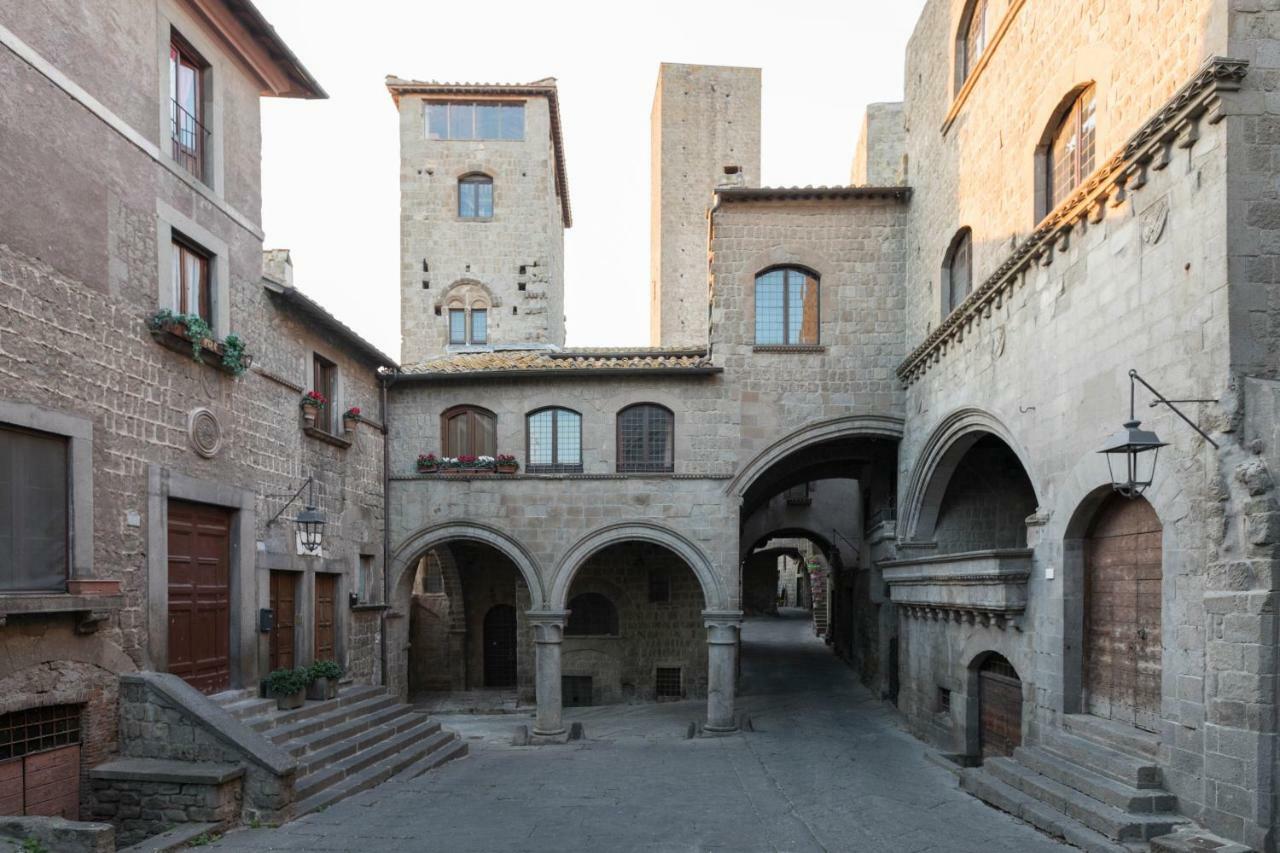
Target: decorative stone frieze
982,587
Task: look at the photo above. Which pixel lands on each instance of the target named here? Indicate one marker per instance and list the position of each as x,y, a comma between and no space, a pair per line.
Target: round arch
714,594
823,542
864,425
937,461
405,558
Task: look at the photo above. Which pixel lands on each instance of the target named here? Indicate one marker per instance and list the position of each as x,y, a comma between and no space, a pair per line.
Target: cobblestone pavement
828,767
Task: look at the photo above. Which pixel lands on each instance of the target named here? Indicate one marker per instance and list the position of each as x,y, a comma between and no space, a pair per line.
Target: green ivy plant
233,354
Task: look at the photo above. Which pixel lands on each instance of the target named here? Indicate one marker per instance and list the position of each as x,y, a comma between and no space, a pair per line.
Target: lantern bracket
310,481
1162,400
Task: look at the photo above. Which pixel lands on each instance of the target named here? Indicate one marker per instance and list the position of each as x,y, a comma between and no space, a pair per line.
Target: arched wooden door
1122,645
500,646
999,707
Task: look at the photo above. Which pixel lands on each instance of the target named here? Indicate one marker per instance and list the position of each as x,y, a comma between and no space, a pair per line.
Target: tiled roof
730,193
544,88
539,362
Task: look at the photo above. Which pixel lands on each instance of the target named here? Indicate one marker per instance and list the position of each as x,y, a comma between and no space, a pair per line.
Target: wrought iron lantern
1132,452
309,522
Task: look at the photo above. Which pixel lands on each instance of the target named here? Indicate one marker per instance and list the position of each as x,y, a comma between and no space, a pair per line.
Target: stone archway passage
1122,647
500,646
999,707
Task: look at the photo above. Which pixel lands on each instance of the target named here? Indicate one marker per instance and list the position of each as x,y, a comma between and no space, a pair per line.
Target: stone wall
880,158
987,502
704,118
144,797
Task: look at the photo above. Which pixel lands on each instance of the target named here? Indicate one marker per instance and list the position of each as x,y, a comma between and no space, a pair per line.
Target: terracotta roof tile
567,360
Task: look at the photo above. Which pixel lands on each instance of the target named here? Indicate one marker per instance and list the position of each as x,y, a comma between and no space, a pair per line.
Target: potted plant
324,680
289,687
312,403
349,419
428,463
506,464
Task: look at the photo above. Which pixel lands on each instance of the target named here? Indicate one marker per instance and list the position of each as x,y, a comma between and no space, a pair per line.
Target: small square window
667,683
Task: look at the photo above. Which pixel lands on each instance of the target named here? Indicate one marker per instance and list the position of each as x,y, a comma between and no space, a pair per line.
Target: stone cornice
1176,124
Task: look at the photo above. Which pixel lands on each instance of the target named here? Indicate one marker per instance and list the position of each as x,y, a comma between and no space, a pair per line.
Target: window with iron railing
188,135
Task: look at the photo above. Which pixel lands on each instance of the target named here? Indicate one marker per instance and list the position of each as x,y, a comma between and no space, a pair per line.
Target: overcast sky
331,168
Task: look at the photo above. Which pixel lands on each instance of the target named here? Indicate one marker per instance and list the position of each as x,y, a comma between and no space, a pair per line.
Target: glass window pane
568,438
479,326
540,448
1088,127
808,310
176,292
484,199
488,121
195,285
769,329
462,121
466,199
795,302
513,121
437,121
457,326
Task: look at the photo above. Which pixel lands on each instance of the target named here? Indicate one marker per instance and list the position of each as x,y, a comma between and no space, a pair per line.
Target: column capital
548,625
722,618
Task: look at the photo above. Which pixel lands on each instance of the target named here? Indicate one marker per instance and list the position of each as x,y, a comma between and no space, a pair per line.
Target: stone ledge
166,770
979,584
326,437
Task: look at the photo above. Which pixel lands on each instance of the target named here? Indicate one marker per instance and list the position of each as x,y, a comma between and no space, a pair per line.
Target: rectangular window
479,326
186,109
365,579
34,511
944,700
325,380
457,326
475,197
475,120
667,682
191,291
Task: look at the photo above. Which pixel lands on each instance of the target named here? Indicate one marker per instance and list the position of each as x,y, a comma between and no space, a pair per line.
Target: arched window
786,307
592,615
469,431
554,439
957,271
971,42
646,439
475,197
1069,155
468,303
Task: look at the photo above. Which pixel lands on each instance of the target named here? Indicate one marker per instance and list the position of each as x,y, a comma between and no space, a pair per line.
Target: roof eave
543,373
320,316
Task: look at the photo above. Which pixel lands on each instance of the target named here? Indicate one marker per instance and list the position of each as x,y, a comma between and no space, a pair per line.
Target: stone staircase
1093,783
347,744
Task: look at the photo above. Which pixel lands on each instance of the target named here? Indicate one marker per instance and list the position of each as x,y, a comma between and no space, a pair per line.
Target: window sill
327,437
789,348
475,219
92,605
175,337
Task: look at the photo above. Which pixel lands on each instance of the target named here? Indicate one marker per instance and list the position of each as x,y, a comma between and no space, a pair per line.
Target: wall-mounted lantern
1132,452
310,522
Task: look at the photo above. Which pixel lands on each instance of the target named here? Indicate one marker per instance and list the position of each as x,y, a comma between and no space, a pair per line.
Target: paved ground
828,768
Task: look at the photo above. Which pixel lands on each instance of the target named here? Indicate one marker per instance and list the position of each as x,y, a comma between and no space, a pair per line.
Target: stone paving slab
828,768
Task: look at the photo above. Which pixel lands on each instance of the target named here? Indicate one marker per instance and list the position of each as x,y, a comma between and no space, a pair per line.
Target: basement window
944,700
667,682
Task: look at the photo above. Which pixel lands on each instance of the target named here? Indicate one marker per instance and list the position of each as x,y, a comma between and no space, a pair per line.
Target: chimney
278,266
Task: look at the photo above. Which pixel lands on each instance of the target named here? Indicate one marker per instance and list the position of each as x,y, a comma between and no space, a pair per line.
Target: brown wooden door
999,707
1122,647
500,646
326,615
200,595
284,602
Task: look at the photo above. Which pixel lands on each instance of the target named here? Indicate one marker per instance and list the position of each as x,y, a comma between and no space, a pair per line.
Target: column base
720,731
539,739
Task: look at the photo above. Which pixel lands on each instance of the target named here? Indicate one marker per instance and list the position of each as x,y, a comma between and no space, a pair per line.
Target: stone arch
452,582
465,292
715,595
988,651
405,559
849,426
937,461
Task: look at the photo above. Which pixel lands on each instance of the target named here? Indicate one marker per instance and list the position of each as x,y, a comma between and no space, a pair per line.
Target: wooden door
999,707
40,762
284,606
500,646
200,595
326,616
1123,589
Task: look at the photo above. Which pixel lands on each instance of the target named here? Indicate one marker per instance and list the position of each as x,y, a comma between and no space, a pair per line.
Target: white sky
331,168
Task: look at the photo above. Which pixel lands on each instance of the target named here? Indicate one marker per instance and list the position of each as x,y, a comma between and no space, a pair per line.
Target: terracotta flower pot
349,425
309,414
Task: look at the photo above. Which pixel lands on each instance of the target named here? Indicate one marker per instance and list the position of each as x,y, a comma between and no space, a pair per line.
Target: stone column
722,669
548,630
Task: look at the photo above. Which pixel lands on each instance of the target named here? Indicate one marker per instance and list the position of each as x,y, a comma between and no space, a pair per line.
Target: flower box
290,701
174,336
322,689
507,469
428,469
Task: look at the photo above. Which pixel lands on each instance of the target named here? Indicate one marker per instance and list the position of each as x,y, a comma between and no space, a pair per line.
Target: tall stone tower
705,128
484,202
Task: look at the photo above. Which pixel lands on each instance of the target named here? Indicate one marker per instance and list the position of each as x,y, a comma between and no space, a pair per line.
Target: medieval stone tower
484,202
705,127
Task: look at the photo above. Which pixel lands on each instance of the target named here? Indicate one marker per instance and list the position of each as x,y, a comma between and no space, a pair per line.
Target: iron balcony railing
190,139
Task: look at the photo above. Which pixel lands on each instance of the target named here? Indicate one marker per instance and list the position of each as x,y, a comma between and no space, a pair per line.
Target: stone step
981,784
365,740
425,734
245,709
178,838
371,774
347,729
228,697
1113,793
335,716
274,719
1122,767
1121,737
1105,819
453,750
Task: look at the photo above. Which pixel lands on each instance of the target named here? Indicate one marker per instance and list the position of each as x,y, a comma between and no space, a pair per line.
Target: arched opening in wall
979,499
467,630
1114,604
635,629
806,563
999,714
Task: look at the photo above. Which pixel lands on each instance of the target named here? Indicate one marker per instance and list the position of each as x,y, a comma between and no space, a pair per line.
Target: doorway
284,603
500,646
326,616
199,555
999,707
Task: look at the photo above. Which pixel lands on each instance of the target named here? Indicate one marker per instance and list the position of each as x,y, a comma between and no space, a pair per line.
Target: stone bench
146,796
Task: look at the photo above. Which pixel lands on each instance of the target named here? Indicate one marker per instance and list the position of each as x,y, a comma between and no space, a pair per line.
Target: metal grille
646,433
37,729
944,699
667,682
